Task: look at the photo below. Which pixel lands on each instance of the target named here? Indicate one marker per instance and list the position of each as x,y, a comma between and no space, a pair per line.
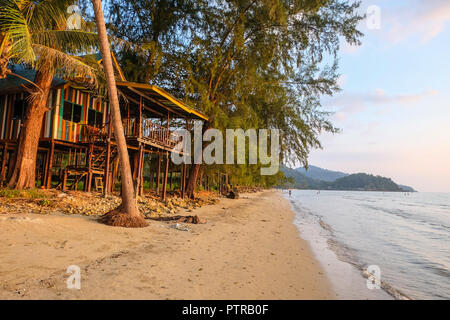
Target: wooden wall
54,126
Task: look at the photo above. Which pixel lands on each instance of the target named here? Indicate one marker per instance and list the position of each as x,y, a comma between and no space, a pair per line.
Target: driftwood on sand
184,219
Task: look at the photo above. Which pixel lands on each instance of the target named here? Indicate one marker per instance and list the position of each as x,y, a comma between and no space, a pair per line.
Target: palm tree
34,32
127,215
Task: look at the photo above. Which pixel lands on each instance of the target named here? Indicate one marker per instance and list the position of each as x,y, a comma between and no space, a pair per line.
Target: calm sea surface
406,235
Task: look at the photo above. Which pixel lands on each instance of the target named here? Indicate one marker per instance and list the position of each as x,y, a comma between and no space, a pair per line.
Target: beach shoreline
248,248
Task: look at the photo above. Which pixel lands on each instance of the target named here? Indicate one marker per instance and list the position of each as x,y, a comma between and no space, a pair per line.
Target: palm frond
48,14
73,42
14,24
64,65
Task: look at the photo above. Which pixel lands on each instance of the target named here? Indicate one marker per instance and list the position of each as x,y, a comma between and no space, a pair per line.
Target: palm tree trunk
128,214
23,174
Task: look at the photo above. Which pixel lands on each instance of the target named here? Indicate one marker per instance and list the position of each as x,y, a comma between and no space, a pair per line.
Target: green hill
298,179
364,182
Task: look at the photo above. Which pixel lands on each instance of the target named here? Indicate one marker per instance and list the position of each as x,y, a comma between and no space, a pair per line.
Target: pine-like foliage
245,63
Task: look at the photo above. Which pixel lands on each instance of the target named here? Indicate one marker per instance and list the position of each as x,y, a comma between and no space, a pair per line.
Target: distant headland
322,179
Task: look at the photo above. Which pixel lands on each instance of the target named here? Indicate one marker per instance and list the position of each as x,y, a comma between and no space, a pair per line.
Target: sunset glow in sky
394,108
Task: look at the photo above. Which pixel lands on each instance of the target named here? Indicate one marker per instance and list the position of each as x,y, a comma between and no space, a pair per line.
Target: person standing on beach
290,193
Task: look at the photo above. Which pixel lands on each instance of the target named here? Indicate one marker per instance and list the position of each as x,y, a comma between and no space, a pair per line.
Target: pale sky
394,109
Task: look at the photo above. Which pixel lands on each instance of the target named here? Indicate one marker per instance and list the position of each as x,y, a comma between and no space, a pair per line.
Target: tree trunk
194,171
192,180
128,214
23,174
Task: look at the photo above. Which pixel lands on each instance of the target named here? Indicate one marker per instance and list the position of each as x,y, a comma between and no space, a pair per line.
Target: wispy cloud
349,103
420,19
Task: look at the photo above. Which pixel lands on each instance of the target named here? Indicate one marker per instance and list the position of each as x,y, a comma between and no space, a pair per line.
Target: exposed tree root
118,218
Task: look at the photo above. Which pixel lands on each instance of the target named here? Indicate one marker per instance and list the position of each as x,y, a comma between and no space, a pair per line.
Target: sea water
405,235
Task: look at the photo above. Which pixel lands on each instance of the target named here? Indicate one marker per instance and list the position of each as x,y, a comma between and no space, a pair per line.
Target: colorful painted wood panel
54,126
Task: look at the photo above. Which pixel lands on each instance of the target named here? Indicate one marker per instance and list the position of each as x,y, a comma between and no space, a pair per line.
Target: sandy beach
247,249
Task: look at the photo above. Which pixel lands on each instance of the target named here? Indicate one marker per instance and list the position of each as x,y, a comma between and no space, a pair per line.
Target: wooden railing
148,130
151,131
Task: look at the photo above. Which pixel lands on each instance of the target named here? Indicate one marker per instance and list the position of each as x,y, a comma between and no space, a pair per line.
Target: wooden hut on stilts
77,149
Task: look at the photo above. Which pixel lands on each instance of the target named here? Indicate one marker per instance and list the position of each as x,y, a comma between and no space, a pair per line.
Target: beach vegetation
246,64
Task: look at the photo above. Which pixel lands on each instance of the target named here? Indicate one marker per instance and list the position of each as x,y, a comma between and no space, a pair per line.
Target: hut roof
158,100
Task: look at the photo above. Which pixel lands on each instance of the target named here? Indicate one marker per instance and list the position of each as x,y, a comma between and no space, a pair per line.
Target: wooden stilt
64,184
142,174
89,175
106,179
44,177
183,181
166,171
3,170
139,168
50,166
115,173
152,181
158,173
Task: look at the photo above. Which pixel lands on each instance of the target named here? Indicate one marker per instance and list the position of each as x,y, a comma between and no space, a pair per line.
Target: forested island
316,178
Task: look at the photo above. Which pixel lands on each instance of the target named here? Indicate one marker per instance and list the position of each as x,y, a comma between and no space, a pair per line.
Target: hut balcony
148,131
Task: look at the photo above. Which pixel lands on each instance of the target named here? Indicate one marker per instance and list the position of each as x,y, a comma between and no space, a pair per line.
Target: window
76,115
19,109
91,117
99,119
95,118
72,111
67,110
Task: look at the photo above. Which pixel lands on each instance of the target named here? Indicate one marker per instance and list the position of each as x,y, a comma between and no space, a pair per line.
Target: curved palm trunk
128,214
23,174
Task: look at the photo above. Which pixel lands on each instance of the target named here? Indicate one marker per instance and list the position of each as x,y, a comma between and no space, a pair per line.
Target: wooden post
158,173
152,180
139,170
3,170
44,177
140,116
142,173
50,166
183,181
89,175
106,178
114,172
150,175
64,184
166,171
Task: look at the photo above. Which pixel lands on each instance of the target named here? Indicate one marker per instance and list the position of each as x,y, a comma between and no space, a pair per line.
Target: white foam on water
347,281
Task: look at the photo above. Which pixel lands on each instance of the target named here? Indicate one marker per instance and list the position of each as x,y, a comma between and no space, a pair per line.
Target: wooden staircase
95,162
95,165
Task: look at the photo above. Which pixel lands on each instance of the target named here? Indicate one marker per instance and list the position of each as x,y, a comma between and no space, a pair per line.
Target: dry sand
248,249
